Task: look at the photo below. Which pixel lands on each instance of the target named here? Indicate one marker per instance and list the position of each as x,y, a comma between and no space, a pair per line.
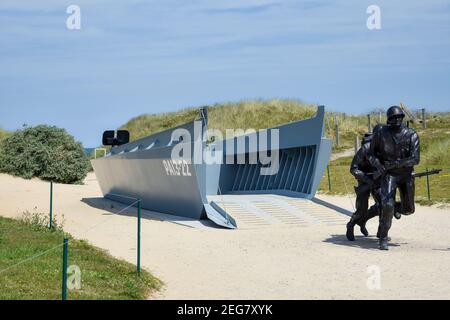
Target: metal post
379,117
337,129
51,205
428,185
369,125
357,144
64,269
139,237
424,124
329,179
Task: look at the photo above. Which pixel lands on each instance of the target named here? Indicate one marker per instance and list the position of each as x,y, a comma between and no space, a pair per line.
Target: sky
135,57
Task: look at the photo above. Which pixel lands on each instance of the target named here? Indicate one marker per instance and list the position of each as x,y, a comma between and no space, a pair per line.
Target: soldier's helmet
395,111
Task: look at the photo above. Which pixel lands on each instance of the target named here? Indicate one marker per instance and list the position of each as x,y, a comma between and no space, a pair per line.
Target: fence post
369,125
329,180
357,144
139,237
424,124
337,129
428,185
64,269
51,205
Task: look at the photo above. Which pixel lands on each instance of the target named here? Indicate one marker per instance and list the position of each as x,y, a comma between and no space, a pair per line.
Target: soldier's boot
378,236
350,230
398,210
384,244
363,229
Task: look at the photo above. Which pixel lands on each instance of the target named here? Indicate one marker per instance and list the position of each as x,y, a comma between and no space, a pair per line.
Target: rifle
426,173
367,187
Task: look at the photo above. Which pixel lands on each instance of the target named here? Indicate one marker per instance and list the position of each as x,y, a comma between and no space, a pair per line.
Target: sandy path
344,153
299,262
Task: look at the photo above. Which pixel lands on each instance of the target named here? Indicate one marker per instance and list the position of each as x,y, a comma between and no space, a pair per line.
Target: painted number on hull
176,168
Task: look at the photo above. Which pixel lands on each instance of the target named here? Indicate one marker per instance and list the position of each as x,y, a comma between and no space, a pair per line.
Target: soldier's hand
381,170
368,180
392,164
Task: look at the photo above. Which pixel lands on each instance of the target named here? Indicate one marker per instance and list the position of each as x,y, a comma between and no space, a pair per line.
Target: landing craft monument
175,171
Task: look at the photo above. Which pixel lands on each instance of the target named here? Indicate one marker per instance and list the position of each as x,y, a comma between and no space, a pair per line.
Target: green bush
47,152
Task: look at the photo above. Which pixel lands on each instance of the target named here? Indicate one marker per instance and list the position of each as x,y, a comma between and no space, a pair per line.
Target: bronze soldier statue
394,150
361,168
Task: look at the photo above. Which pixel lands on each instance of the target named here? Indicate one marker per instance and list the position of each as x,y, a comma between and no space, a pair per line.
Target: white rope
30,258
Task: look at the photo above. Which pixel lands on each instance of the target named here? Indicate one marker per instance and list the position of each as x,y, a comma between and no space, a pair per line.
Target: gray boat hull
145,169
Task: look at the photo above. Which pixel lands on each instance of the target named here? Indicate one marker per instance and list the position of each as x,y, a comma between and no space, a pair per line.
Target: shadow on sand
113,207
362,242
332,206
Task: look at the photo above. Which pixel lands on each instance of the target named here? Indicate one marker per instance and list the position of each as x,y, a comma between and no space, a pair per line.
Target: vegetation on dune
102,276
435,146
258,114
43,151
255,114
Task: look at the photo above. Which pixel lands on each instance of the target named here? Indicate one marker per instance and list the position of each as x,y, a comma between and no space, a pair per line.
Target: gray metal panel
323,156
141,174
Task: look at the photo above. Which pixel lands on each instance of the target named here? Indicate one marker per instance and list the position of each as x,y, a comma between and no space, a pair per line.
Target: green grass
102,276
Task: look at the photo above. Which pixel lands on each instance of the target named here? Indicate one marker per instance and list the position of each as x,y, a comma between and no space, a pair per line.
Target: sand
312,261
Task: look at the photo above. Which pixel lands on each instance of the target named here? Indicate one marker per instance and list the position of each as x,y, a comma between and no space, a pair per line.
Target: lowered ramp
256,211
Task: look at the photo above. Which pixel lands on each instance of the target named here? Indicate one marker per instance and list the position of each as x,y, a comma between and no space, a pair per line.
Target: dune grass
255,114
102,276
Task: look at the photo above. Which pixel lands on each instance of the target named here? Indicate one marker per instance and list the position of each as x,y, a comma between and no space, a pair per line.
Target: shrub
47,152
40,221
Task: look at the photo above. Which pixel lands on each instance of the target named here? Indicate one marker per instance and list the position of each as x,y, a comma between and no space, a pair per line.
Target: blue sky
133,57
